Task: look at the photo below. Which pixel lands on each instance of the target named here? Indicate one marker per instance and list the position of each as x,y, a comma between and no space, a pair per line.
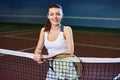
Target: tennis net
16,65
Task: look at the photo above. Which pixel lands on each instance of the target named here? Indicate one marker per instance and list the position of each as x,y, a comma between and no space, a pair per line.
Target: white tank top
57,46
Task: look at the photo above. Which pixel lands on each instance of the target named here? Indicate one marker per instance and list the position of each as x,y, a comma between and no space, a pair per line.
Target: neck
55,27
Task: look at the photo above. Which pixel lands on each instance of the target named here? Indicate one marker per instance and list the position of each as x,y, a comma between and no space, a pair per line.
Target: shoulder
42,29
67,29
42,32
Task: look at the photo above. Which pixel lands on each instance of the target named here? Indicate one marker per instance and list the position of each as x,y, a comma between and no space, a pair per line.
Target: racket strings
64,69
64,66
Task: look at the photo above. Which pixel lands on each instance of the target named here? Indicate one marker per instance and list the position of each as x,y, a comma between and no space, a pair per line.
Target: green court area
8,27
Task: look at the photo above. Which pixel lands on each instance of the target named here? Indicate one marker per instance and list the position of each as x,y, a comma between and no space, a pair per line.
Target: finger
39,62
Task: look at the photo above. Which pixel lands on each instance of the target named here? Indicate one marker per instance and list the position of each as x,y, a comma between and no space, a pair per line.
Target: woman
56,38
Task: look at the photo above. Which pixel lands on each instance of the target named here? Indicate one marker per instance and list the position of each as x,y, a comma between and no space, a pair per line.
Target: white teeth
55,20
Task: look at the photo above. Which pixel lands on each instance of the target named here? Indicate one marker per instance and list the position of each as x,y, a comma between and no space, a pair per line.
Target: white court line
26,49
14,36
93,18
69,17
104,33
80,44
106,47
97,46
25,16
20,33
24,38
17,31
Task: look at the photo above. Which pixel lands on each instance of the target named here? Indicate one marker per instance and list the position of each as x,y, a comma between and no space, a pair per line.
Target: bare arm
69,39
39,47
40,42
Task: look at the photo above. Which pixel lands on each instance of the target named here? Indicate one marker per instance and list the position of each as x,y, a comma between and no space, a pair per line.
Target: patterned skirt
66,71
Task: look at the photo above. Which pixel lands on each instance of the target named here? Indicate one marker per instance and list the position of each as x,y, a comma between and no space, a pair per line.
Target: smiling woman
55,15
55,37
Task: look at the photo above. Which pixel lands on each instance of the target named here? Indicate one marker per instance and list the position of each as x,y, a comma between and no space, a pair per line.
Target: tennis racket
66,66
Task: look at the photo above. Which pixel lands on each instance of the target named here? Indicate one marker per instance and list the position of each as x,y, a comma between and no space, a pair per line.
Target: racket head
67,66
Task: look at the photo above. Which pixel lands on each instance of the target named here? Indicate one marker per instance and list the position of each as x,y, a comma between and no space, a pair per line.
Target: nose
55,16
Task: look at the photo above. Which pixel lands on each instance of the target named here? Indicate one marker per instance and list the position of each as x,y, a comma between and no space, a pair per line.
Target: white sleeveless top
57,46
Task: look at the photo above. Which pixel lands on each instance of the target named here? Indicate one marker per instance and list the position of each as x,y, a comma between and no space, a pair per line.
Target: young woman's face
55,15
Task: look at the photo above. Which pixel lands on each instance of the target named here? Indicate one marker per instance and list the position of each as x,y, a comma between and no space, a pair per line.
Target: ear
62,16
47,16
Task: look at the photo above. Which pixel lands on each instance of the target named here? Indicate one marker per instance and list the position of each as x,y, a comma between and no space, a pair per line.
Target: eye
58,14
51,14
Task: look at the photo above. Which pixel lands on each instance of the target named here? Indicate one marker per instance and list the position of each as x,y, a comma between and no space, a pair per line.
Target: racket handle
42,59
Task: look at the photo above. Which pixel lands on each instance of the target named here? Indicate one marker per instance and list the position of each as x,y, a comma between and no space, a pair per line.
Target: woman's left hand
47,56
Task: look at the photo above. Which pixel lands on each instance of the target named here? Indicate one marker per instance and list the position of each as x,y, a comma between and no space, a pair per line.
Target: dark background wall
93,13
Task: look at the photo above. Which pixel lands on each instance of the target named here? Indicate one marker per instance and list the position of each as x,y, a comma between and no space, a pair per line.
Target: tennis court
88,43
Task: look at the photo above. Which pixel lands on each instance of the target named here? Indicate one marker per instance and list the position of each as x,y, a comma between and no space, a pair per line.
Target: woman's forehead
55,10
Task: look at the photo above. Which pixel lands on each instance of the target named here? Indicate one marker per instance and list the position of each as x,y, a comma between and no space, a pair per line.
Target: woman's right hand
37,58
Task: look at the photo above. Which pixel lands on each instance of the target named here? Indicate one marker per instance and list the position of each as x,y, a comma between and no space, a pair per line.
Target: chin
56,24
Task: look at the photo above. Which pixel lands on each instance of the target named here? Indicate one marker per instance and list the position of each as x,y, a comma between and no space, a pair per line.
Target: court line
21,33
93,18
97,46
80,44
70,17
24,38
28,16
13,35
26,49
108,33
17,31
31,31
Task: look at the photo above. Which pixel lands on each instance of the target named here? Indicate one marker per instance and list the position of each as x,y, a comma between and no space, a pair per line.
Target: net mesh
15,65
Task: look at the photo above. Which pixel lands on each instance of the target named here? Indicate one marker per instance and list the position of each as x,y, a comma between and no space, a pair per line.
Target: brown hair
48,24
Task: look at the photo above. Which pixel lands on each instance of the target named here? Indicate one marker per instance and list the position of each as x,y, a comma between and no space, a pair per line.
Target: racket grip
42,59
